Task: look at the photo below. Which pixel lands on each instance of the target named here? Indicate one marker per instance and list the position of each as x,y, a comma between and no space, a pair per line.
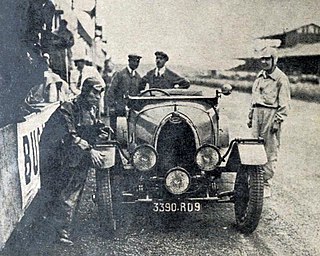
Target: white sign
28,134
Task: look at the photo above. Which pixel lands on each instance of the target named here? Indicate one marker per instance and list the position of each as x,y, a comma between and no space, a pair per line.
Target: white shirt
133,72
160,71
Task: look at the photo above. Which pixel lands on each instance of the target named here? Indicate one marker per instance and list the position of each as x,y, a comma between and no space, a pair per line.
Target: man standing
163,78
86,70
125,82
67,153
61,54
269,109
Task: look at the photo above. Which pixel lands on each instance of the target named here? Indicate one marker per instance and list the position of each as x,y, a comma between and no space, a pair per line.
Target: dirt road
290,223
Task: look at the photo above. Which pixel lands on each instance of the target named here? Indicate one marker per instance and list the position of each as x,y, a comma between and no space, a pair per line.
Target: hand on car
96,157
105,132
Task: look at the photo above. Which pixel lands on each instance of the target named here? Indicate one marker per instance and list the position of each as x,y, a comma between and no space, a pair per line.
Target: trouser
66,204
113,124
262,121
101,105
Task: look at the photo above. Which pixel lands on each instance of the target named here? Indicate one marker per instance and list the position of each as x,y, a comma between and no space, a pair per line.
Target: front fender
246,152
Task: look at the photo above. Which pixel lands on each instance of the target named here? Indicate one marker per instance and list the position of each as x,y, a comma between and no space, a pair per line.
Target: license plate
177,207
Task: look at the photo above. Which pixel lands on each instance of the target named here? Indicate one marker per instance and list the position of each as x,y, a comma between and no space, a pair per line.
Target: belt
257,105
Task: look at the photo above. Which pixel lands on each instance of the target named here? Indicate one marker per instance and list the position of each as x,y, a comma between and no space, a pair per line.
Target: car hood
146,123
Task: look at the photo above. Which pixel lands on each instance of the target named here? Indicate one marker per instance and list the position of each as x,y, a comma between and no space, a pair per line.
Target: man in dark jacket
67,153
163,78
125,82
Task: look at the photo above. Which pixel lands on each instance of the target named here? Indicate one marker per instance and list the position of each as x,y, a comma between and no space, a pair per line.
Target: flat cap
134,56
162,54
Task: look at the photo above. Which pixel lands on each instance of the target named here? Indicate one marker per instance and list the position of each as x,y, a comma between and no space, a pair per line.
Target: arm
143,82
250,114
112,91
179,80
283,99
74,139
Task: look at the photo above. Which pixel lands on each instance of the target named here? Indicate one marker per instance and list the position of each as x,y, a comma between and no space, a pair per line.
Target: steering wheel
154,90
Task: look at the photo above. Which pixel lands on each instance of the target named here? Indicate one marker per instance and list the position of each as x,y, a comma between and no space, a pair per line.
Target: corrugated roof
300,50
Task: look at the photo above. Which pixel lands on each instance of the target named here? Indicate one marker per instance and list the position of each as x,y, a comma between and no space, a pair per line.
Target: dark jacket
122,84
69,133
165,81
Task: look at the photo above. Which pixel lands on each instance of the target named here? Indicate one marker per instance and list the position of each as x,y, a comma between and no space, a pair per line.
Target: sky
198,33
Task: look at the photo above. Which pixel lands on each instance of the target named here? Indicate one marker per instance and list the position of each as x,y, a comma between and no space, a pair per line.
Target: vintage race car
171,152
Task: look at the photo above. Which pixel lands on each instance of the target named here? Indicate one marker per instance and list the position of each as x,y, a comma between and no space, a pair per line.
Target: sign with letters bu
28,134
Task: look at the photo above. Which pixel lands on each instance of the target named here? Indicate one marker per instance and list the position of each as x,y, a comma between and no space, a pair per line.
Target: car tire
105,202
248,198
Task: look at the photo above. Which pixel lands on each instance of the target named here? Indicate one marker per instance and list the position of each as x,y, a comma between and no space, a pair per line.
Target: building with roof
299,51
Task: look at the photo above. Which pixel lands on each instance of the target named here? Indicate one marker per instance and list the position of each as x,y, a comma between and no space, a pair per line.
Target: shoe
65,241
266,190
64,237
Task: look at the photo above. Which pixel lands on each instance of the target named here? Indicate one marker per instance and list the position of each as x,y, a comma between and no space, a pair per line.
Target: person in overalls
269,109
70,136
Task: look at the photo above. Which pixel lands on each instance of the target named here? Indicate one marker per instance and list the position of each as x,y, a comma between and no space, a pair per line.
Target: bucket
109,152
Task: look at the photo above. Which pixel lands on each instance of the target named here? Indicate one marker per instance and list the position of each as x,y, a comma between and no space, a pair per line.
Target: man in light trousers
269,109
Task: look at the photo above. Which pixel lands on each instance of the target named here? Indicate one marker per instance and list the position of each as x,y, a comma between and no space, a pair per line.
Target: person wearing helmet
67,153
269,109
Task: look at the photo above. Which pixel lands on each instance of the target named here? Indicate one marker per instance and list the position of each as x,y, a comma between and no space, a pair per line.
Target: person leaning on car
269,108
67,142
163,78
125,82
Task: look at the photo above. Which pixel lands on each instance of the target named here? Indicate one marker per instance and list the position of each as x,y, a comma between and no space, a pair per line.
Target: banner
28,134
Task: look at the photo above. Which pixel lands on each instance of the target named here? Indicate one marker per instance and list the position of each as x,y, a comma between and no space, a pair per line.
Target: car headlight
144,157
207,157
177,181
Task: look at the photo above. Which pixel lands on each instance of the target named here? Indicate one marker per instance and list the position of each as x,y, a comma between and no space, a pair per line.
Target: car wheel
105,202
248,198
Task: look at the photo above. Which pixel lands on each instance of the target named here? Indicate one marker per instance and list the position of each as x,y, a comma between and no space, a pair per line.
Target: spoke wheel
248,198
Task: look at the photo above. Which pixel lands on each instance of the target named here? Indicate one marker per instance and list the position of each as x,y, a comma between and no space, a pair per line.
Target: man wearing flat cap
67,153
163,78
125,82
